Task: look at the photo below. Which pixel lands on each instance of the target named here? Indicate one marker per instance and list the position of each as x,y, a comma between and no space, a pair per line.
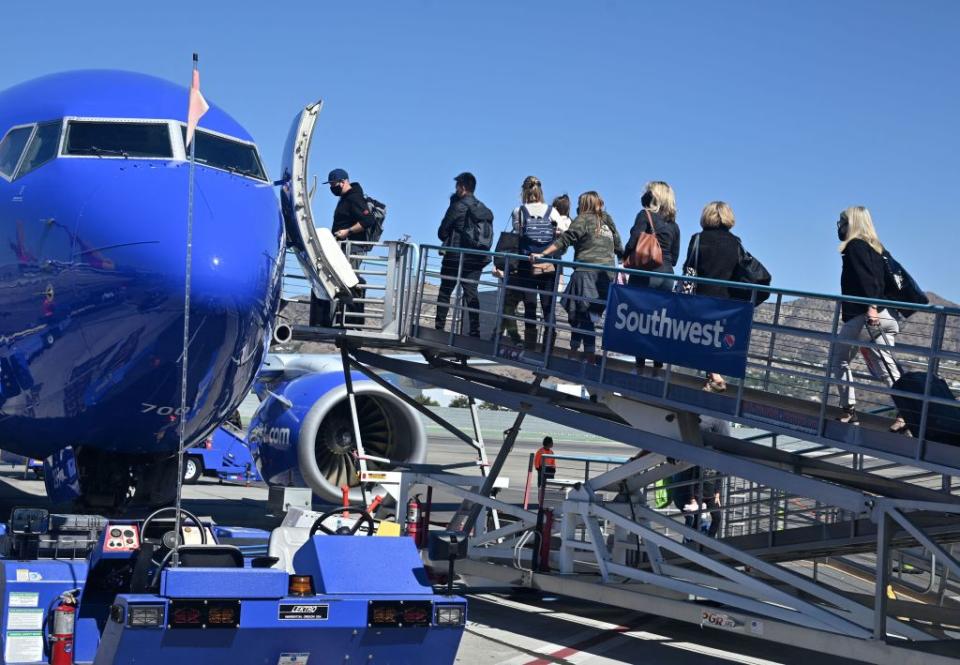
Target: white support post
599,546
568,531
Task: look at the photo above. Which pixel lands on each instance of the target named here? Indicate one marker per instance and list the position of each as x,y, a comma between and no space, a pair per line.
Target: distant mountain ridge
809,356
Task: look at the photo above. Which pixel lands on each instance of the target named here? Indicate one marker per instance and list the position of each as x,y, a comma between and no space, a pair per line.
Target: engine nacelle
302,434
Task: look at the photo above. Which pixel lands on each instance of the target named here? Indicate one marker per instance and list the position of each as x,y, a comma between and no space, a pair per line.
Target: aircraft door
323,262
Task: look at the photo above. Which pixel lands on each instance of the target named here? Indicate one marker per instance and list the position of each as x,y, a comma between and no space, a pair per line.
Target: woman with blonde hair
659,216
595,240
863,275
714,253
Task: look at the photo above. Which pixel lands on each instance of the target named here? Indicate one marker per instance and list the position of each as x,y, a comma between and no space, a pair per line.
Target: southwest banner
706,333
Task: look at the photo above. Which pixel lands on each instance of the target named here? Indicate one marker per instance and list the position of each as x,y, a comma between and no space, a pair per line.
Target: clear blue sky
790,111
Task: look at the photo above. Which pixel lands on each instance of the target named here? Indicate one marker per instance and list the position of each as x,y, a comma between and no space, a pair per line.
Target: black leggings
583,325
544,284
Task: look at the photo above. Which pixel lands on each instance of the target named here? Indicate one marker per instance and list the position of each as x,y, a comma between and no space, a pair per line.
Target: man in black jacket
351,219
464,211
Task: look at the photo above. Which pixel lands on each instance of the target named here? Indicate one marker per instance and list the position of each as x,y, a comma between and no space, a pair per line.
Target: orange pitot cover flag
198,106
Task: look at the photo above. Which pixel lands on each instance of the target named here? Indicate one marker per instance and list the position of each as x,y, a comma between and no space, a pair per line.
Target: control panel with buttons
121,538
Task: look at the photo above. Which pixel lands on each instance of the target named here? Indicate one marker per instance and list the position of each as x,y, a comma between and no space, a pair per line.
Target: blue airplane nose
130,260
138,220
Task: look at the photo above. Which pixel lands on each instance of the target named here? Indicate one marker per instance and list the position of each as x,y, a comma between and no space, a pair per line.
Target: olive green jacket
589,245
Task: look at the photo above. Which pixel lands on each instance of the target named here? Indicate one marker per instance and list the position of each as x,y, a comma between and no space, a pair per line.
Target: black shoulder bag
900,286
507,243
750,271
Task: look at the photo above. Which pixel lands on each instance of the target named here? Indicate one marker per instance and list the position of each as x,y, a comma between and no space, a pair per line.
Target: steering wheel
170,540
362,517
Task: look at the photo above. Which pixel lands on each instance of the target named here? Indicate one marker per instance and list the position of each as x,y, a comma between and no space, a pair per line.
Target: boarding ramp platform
830,536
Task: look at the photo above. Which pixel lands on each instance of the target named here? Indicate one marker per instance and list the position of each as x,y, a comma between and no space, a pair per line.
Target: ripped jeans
879,360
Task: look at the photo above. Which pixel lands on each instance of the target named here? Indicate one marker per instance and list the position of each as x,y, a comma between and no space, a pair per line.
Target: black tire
192,470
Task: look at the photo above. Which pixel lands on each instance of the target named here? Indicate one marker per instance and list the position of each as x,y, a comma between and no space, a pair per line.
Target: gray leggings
879,360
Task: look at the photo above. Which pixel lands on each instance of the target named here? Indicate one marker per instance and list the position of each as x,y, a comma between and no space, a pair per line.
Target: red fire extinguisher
414,508
61,638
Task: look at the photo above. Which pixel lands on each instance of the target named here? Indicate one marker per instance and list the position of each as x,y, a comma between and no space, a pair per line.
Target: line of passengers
714,252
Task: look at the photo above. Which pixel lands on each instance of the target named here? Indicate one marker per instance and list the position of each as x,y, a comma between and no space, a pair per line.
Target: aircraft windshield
118,139
42,148
11,148
227,154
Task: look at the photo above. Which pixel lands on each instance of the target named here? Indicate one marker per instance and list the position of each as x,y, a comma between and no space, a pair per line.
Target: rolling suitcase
943,420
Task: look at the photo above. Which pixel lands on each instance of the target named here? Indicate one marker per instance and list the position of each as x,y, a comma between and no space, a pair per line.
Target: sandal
849,416
715,386
899,426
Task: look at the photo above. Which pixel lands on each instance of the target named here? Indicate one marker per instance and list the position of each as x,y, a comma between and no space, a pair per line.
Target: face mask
842,227
336,189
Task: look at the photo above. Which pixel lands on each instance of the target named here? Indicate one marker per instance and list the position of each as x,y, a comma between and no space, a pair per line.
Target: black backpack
379,213
899,286
478,230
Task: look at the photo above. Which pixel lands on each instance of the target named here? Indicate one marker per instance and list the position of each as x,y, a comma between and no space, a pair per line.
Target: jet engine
302,434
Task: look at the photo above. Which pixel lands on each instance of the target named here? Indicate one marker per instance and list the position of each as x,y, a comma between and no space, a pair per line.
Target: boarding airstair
834,537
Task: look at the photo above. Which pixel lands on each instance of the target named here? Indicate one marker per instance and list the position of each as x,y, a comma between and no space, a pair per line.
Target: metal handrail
933,309
783,336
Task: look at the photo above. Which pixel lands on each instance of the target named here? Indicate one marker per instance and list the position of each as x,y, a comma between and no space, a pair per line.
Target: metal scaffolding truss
840,497
680,559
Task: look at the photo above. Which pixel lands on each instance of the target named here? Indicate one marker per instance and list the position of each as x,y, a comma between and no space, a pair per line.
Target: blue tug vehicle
86,589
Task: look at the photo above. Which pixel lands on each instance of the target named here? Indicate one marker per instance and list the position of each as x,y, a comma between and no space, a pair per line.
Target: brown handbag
647,254
542,268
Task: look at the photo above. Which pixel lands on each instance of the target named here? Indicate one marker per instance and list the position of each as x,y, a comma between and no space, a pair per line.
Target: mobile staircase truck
87,589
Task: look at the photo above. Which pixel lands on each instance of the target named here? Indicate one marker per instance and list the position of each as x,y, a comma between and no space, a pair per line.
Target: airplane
93,206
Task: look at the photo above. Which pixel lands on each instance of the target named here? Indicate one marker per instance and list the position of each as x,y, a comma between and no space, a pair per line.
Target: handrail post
773,341
825,395
455,298
550,333
738,406
501,303
933,365
422,269
390,290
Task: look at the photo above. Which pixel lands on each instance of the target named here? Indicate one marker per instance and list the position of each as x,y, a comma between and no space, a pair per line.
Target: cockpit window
43,147
227,154
11,148
118,139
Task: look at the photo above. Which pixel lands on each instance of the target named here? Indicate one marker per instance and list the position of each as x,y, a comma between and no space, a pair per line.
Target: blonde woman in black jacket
863,275
714,253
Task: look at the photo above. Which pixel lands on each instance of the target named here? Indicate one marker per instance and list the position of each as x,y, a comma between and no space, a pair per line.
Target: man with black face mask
351,219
